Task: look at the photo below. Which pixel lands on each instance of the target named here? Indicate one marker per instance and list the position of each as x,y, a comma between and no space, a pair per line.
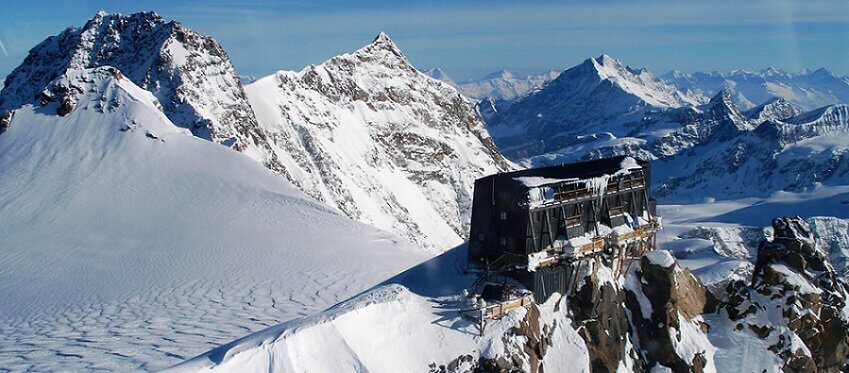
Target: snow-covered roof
537,177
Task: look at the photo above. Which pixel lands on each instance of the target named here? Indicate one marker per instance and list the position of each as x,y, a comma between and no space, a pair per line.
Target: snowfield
130,244
409,324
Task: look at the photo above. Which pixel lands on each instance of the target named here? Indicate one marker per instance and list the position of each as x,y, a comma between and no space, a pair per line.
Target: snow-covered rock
128,243
832,236
796,304
776,109
370,135
807,89
189,74
586,104
796,154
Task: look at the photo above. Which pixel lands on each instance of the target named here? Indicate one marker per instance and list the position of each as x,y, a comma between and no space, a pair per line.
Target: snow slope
409,324
375,138
130,244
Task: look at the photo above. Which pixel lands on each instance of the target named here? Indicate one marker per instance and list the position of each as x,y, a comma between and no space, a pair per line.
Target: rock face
190,75
776,109
673,333
370,135
601,320
796,289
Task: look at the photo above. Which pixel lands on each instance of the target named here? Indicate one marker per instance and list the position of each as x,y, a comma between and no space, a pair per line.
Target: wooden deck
496,310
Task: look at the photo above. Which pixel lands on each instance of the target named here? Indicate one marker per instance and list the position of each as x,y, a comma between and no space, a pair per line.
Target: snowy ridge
390,329
505,85
440,75
190,75
794,155
124,236
776,109
807,89
369,134
586,103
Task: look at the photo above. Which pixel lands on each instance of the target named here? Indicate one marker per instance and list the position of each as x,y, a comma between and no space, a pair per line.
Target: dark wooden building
538,224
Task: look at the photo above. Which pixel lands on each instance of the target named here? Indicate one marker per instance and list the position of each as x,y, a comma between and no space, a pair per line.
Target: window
503,215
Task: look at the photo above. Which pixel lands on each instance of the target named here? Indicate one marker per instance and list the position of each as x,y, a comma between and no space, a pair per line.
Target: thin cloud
3,48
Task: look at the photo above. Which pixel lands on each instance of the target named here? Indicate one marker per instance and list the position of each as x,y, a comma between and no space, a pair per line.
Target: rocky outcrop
795,286
189,74
367,133
601,320
5,120
666,304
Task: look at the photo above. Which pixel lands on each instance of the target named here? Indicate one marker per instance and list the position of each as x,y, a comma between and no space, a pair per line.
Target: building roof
535,177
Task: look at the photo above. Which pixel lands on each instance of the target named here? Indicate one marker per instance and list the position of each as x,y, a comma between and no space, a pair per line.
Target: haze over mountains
154,207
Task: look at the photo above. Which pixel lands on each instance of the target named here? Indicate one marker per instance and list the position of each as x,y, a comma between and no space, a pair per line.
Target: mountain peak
383,41
606,60
501,74
724,97
438,74
382,37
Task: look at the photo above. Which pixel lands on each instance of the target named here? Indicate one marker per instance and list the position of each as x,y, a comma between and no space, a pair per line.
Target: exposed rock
5,120
795,282
676,300
367,133
190,75
601,320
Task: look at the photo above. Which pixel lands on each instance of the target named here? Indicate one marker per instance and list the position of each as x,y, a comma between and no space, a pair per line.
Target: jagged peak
382,50
605,60
101,16
724,97
383,42
836,110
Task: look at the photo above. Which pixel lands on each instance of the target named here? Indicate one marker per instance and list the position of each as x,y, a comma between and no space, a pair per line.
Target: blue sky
469,39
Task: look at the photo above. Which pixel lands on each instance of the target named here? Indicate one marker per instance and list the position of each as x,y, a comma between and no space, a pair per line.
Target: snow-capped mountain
190,75
807,89
775,109
438,74
129,243
793,154
506,85
602,108
419,142
369,134
590,101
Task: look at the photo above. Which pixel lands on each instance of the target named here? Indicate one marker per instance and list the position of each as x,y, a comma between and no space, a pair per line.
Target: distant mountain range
806,89
502,85
602,108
